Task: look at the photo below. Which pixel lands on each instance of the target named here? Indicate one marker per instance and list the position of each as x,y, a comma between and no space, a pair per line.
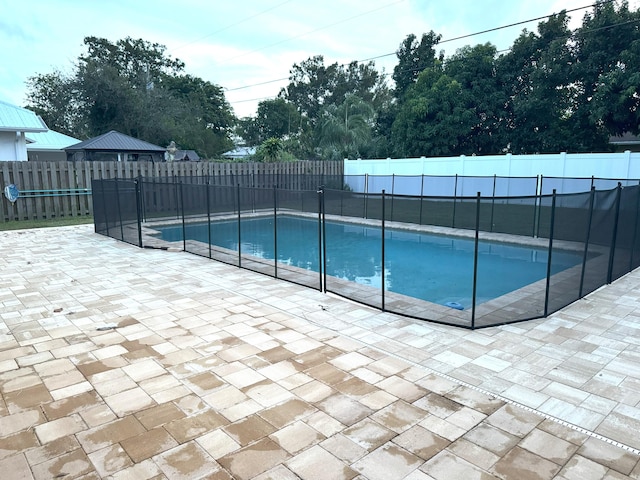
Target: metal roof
188,154
115,142
240,152
49,140
16,119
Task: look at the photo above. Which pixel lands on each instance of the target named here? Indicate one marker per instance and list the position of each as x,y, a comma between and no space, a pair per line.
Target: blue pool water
434,268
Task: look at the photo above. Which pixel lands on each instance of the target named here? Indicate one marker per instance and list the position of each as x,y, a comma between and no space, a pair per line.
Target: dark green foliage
132,86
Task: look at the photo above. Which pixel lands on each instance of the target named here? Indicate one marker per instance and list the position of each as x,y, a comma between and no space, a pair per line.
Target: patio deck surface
127,363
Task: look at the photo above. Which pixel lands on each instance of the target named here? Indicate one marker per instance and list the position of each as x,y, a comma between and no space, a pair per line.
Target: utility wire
441,41
312,31
232,25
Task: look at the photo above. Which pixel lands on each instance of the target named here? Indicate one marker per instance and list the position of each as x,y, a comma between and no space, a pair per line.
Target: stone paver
209,371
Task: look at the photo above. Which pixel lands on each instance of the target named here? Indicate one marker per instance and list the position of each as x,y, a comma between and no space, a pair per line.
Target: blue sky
244,42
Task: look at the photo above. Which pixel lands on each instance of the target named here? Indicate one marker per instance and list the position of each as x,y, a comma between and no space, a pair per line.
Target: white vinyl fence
493,175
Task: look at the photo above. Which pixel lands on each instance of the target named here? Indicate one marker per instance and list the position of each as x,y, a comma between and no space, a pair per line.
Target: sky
249,46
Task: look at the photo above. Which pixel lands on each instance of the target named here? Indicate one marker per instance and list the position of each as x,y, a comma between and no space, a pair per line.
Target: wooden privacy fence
63,189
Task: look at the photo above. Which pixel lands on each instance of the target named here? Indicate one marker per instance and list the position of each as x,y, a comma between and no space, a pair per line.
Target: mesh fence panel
516,186
357,278
512,215
564,185
345,204
464,213
407,185
570,226
470,186
622,261
116,202
298,238
511,273
444,186
101,198
596,239
160,200
424,275
377,183
403,208
598,243
438,211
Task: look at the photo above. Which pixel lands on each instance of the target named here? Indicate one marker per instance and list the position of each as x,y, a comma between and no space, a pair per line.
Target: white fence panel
574,170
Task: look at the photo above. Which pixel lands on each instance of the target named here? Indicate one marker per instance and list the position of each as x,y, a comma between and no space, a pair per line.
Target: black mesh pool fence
577,241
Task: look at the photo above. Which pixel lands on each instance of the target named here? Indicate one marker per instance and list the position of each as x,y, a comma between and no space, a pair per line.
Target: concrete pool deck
127,363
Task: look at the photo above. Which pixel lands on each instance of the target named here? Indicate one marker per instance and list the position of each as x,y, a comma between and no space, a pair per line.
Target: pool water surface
435,268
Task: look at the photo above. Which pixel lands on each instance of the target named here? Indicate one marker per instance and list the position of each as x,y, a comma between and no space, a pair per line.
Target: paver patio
127,363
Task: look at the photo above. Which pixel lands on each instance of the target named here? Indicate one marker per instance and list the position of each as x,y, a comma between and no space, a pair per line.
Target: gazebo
114,146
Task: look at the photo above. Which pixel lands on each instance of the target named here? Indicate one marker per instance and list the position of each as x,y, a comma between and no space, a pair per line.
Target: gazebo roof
115,142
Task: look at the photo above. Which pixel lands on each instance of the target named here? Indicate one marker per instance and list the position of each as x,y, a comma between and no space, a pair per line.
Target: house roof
49,140
16,119
240,152
625,139
115,142
188,154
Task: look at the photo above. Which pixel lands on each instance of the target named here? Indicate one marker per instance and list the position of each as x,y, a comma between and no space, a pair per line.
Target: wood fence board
50,176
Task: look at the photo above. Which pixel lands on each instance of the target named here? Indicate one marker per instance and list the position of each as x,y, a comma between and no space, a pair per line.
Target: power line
394,53
232,25
314,31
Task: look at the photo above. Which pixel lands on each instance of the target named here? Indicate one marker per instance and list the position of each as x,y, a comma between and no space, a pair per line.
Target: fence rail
63,189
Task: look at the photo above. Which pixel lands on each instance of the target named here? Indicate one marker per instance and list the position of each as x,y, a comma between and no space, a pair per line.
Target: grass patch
53,222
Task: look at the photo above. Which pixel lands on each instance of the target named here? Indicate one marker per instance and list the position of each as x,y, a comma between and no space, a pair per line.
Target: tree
346,129
133,87
433,120
541,104
313,87
483,96
54,97
413,58
607,66
277,118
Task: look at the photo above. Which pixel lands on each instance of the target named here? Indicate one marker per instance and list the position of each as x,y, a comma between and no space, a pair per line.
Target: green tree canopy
413,57
346,129
132,86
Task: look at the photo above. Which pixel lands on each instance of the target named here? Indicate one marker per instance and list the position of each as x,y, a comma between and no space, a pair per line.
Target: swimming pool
435,268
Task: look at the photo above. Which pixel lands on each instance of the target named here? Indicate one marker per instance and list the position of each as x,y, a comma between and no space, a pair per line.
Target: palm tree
346,128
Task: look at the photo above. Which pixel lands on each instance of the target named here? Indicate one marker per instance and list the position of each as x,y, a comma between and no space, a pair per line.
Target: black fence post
393,189
143,208
475,264
382,252
184,225
366,193
175,183
208,187
587,239
455,194
119,211
275,232
104,206
493,201
548,284
614,236
138,211
239,232
421,196
322,244
538,212
535,206
635,229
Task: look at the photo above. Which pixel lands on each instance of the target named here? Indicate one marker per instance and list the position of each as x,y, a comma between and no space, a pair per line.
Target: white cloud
246,42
